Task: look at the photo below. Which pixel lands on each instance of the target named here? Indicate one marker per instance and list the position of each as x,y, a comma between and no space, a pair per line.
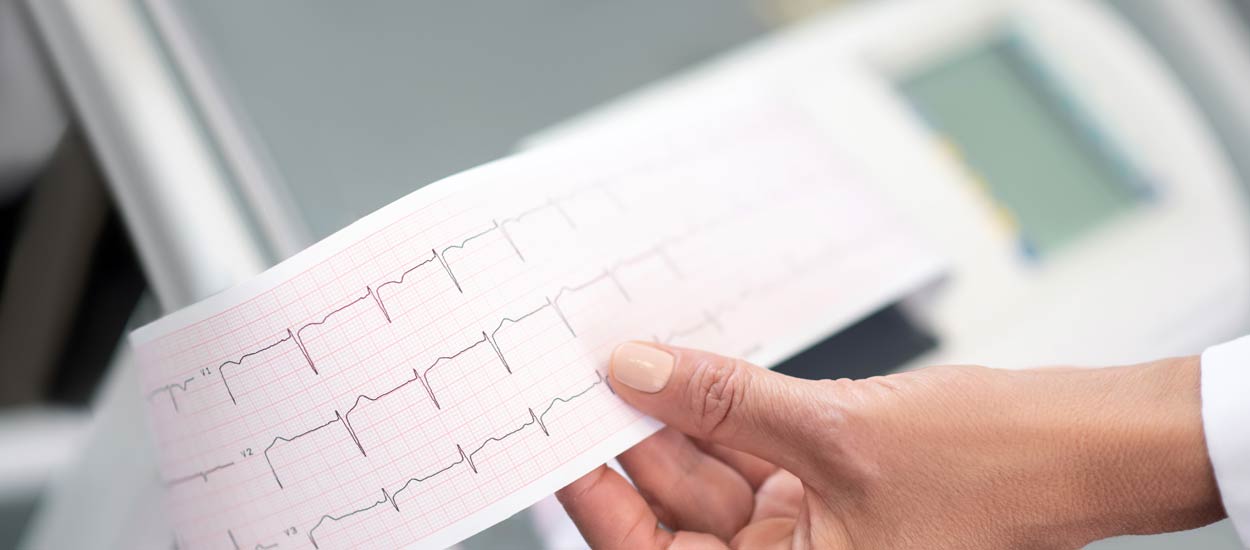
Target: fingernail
642,367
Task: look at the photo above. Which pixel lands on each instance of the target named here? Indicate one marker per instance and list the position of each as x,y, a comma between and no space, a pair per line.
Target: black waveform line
503,226
514,320
258,546
508,237
534,418
170,389
350,432
423,379
465,458
420,378
578,287
448,270
612,277
299,333
607,275
668,260
276,439
497,438
429,476
425,375
563,319
551,202
614,199
442,257
494,334
460,245
375,293
221,369
658,250
599,379
709,320
296,336
496,224
526,213
378,300
498,353
386,497
556,204
347,416
400,281
202,475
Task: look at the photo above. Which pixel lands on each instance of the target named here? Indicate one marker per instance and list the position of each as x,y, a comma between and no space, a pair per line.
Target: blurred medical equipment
262,113
1091,215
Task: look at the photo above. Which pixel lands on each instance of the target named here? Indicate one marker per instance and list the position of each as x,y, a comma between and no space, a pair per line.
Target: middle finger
687,488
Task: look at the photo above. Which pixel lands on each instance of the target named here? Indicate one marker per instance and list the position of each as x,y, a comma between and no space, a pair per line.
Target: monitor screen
1025,140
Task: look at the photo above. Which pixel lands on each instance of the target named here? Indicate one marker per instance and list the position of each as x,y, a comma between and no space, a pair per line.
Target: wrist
1141,463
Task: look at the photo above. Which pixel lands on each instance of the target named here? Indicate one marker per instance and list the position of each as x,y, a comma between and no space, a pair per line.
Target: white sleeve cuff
1226,422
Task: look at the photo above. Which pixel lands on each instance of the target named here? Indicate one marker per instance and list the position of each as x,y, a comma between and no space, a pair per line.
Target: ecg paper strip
440,364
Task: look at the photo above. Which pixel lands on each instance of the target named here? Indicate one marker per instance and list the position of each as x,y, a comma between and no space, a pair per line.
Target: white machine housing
1168,276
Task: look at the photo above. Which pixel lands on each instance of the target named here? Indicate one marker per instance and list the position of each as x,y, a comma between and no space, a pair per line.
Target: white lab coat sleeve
1226,422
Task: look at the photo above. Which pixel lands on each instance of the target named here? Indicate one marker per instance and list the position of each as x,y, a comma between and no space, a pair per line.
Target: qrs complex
169,388
221,369
296,336
466,458
422,377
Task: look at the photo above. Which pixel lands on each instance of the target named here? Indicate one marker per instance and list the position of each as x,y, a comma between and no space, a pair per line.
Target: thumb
721,399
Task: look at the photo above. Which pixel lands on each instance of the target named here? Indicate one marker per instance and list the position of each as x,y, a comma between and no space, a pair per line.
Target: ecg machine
1022,138
1042,147
1088,213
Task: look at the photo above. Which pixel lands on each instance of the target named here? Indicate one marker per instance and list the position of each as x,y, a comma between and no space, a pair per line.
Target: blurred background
154,152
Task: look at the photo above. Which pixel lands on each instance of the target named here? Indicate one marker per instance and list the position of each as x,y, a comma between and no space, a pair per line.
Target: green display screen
1033,150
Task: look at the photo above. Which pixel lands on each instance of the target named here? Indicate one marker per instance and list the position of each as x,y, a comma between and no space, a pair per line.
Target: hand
946,457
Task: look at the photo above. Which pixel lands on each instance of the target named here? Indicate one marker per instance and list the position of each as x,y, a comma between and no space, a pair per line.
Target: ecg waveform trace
221,369
656,251
423,377
297,337
259,546
542,294
169,388
202,475
465,458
